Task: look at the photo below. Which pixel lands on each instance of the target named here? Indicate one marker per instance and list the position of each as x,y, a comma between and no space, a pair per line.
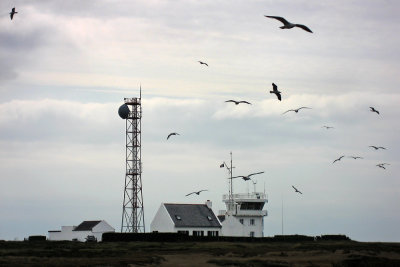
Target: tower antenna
132,207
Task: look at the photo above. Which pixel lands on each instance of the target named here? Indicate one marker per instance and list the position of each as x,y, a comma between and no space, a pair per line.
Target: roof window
209,218
178,217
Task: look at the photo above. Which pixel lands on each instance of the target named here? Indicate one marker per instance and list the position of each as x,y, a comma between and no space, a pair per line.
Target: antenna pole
282,214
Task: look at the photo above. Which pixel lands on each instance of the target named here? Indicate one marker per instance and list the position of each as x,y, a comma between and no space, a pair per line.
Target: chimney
209,204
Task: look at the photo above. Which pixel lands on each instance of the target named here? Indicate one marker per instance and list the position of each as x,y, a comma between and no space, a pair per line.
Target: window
251,221
198,233
209,218
212,233
241,221
251,234
178,217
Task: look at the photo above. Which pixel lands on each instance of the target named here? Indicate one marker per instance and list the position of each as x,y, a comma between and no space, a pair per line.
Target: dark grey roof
86,225
192,215
221,218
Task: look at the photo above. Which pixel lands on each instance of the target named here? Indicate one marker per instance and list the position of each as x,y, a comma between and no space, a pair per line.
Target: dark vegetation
318,252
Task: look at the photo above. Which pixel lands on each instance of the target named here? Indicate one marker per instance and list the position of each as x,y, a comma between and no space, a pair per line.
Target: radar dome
123,111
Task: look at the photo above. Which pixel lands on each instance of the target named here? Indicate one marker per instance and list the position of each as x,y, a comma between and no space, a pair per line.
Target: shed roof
86,225
192,215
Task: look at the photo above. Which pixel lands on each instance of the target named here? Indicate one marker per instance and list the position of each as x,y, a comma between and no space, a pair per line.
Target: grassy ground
321,253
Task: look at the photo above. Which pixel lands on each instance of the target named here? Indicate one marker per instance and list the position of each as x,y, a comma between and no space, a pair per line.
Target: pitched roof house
192,219
82,231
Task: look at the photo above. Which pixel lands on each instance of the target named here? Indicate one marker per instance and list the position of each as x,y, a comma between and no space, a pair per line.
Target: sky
66,66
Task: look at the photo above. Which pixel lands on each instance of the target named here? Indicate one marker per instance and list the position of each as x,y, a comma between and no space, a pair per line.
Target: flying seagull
327,127
295,110
287,24
238,102
197,192
203,63
171,134
338,159
296,190
381,166
247,177
377,147
12,13
372,109
276,92
355,157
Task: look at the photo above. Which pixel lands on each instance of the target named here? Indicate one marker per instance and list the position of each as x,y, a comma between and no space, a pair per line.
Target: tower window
241,221
251,221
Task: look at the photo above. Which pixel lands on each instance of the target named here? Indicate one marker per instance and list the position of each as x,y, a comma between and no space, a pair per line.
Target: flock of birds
278,94
286,25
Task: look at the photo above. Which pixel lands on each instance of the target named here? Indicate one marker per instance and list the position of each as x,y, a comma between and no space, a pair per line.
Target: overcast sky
66,66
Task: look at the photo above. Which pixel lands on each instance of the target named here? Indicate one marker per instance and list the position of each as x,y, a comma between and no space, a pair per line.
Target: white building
244,214
82,231
192,219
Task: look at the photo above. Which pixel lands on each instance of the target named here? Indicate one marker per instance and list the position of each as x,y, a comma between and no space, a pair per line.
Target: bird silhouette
246,177
276,92
12,13
355,157
288,25
338,159
171,135
327,127
196,192
238,102
296,110
381,166
372,109
378,147
203,63
296,190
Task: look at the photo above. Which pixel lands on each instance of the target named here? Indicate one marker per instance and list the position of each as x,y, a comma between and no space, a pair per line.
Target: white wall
231,226
162,222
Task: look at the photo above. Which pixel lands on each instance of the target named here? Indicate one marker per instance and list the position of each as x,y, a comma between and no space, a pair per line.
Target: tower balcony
249,197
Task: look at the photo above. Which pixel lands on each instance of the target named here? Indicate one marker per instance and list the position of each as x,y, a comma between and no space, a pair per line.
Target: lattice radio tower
132,207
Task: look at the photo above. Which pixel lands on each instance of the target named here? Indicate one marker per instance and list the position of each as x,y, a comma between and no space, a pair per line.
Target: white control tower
244,214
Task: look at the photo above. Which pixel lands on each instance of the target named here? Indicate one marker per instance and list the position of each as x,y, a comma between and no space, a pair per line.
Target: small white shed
82,231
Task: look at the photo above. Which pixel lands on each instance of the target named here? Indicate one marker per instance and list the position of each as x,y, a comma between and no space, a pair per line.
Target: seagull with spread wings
296,110
289,25
238,102
327,127
203,63
372,109
355,157
12,13
296,190
276,92
171,135
246,177
338,159
378,147
382,165
196,192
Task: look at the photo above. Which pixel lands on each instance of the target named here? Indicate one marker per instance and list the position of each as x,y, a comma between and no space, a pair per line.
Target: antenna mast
132,207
